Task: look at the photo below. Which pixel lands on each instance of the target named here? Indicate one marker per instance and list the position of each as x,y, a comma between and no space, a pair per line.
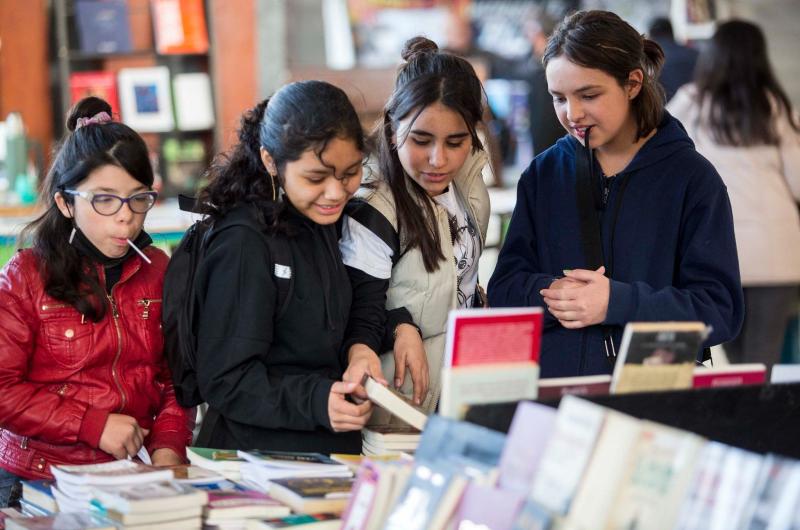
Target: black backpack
179,311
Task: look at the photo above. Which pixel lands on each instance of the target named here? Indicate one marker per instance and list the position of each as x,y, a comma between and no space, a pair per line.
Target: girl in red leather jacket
82,376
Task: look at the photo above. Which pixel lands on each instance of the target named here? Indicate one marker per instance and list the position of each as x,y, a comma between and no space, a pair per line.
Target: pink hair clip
100,117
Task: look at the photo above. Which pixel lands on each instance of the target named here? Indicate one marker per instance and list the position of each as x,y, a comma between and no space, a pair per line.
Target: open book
394,402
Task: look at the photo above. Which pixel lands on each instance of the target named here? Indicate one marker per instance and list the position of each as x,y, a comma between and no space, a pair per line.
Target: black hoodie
269,379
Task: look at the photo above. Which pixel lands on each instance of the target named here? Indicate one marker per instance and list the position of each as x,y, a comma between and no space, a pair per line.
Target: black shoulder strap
587,207
367,215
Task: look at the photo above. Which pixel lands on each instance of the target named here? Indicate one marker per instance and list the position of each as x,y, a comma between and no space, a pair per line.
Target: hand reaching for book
362,360
579,306
343,415
409,355
122,436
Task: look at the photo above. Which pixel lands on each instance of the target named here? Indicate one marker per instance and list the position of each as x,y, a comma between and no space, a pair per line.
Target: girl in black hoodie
272,375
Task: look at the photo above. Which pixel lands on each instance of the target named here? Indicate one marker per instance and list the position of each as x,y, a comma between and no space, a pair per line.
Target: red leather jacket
61,375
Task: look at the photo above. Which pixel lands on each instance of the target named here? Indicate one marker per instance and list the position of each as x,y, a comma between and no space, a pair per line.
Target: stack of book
74,484
310,495
317,521
59,521
232,509
262,467
378,440
37,498
226,462
150,505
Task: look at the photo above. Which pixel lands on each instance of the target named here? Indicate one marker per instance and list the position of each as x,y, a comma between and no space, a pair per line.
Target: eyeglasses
108,204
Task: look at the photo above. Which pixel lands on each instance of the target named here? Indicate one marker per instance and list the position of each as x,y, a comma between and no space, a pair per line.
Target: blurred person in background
679,60
741,120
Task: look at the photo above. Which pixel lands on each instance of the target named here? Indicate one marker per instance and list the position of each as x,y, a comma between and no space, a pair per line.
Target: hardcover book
180,26
101,84
103,26
730,375
657,356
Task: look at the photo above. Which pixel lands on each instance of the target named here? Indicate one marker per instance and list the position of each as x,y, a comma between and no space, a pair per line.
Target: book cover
730,375
785,373
659,470
395,402
657,356
110,473
180,26
234,504
480,384
317,521
313,494
215,459
103,26
429,497
152,497
567,453
554,388
39,493
604,472
533,517
485,506
697,507
737,483
527,437
489,336
60,521
363,498
777,489
445,437
101,84
289,459
194,106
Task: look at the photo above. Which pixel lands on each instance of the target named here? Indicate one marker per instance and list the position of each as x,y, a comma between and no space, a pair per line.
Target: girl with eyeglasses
82,376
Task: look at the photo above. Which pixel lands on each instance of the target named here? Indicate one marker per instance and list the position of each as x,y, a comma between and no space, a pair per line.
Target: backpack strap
369,216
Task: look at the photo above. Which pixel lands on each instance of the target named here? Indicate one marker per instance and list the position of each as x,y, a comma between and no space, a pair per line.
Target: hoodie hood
670,138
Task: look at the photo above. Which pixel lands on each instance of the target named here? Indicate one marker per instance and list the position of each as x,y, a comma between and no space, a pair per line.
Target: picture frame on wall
145,98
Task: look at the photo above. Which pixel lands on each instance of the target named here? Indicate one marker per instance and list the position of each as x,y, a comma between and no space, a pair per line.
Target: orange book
180,26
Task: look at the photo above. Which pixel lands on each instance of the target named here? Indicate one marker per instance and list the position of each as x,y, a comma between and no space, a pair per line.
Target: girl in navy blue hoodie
666,246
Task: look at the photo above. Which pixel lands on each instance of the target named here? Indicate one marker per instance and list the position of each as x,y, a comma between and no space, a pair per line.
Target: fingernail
565,271
397,383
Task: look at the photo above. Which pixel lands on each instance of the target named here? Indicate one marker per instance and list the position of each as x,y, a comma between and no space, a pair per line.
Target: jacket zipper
46,307
145,302
114,375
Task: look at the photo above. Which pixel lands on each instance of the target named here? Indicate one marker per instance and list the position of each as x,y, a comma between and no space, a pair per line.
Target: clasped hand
579,299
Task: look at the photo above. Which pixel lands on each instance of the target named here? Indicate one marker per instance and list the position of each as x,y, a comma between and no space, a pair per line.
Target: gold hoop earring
274,188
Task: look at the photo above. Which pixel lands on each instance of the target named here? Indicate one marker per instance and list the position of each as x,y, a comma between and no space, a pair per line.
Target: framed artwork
145,99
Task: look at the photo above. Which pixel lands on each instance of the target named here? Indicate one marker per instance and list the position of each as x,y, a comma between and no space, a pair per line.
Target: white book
152,497
110,473
194,105
599,487
396,403
737,483
660,467
567,453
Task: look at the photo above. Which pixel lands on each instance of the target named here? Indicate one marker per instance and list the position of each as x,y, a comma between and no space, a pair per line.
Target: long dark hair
65,272
427,77
300,116
602,40
733,72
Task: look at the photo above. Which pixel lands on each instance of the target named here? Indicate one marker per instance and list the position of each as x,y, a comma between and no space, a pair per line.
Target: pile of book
581,467
226,462
74,484
377,440
233,509
261,468
166,504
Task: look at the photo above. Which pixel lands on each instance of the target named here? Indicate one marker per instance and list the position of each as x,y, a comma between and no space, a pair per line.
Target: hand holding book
122,436
343,415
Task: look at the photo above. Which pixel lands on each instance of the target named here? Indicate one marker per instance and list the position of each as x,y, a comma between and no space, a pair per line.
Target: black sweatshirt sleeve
367,321
236,297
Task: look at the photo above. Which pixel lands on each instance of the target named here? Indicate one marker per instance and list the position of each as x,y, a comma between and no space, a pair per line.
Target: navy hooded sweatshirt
668,242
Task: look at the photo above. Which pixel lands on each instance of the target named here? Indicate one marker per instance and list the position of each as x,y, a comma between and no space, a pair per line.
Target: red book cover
731,375
484,336
589,385
95,83
180,26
